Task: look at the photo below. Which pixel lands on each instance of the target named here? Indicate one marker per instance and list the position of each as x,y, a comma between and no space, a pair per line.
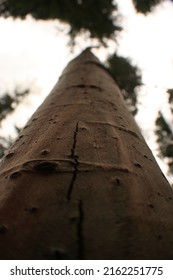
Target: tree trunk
80,181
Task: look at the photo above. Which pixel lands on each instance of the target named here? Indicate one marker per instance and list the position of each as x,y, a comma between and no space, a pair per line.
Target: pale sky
34,53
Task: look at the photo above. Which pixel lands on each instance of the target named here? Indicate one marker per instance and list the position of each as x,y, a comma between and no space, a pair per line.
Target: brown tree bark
80,182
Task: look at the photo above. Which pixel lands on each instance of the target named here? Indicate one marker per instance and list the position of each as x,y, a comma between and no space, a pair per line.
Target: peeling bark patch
3,229
15,175
75,163
80,234
46,167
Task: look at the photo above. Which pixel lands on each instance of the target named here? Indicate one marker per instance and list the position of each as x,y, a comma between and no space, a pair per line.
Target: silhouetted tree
128,78
8,104
164,133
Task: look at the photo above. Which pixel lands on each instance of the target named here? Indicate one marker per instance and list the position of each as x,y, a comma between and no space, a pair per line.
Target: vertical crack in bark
75,163
79,232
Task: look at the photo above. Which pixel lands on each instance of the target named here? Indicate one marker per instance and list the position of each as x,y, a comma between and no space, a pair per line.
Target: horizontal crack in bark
118,127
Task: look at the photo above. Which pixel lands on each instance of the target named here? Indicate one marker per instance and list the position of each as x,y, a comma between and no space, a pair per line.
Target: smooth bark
80,182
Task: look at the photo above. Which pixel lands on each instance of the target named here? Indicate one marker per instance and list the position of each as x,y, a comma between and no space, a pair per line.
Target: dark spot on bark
21,136
137,164
34,119
10,155
15,175
150,205
145,156
44,152
118,181
56,255
50,119
170,198
32,210
46,167
3,229
159,236
73,220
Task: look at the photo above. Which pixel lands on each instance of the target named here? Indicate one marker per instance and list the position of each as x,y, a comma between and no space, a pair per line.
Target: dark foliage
170,93
8,103
97,17
146,6
128,77
164,135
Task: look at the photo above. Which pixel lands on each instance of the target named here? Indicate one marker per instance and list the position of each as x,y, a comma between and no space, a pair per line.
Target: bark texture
80,181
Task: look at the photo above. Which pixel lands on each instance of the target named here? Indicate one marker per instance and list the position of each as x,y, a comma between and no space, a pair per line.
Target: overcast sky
33,54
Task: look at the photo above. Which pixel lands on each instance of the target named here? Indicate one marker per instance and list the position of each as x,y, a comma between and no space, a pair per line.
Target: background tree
128,77
164,133
8,104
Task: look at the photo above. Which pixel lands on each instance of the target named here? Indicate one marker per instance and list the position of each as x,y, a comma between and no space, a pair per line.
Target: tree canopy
100,18
146,6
